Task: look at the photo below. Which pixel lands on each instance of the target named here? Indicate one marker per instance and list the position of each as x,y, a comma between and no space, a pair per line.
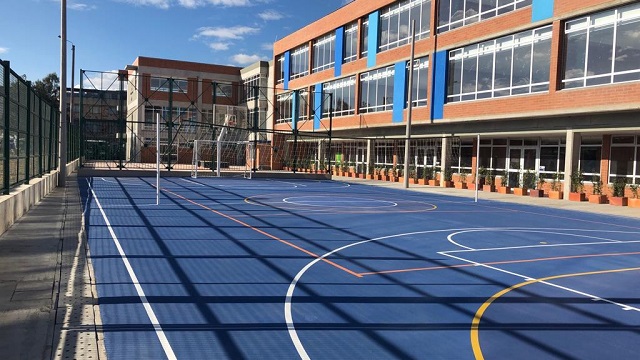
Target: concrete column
444,164
571,157
369,156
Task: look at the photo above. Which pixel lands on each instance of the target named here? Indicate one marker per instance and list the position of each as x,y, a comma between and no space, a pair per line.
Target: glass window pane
549,158
600,51
541,58
503,64
575,55
622,160
628,46
499,157
590,159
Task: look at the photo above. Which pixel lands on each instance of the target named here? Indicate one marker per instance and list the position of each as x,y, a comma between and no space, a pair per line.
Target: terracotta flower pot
618,201
576,196
434,183
520,191
635,203
460,185
597,199
504,190
489,188
536,193
557,195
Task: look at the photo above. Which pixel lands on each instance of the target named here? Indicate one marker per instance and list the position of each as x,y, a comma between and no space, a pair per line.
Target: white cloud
219,45
267,46
3,50
235,32
162,4
230,2
102,80
269,15
244,59
80,6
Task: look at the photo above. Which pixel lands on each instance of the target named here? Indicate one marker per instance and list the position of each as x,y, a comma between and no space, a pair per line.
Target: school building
547,86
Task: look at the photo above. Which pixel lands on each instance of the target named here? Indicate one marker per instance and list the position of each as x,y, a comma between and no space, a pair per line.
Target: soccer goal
213,157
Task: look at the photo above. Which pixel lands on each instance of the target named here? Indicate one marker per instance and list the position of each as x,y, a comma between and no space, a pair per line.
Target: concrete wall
21,199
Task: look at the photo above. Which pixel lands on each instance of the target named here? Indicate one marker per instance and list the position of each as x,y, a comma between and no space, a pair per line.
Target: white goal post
211,157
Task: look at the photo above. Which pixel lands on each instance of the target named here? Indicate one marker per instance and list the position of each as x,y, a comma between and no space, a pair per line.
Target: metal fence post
27,165
40,136
80,122
7,149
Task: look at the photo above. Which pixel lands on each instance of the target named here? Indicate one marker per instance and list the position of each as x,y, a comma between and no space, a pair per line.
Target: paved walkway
48,307
47,304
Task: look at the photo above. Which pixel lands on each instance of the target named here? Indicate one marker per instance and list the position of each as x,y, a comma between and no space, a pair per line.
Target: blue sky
109,34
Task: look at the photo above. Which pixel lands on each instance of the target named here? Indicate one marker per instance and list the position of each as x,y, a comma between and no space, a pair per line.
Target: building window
283,108
324,52
299,62
350,42
625,159
280,69
590,156
249,84
420,78
603,48
453,14
162,85
396,20
343,93
552,153
223,91
364,44
376,90
284,104
511,65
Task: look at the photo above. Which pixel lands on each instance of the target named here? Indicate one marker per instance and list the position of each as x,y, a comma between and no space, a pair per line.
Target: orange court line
265,234
496,263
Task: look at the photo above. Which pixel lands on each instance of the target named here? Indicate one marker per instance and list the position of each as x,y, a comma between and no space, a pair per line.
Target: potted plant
462,180
538,190
426,175
489,182
634,201
556,192
413,173
371,171
504,182
577,186
597,197
617,193
384,174
431,173
393,173
446,182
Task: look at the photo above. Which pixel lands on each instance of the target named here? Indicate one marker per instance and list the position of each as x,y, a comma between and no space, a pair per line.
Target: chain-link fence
28,131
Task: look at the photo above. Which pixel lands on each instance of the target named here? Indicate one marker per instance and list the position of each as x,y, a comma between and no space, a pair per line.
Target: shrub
529,180
618,187
597,185
577,181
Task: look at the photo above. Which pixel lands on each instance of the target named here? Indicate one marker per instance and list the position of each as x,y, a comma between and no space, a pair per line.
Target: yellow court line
475,324
265,233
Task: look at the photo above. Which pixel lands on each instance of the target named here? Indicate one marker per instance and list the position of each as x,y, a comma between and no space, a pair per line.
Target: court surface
287,269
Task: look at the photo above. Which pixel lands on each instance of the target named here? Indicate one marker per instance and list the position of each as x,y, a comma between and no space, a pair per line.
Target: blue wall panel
399,91
294,108
287,62
372,45
541,10
439,89
337,68
317,106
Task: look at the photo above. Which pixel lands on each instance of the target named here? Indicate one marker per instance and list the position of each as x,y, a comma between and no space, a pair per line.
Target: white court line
293,334
143,298
529,278
529,230
192,182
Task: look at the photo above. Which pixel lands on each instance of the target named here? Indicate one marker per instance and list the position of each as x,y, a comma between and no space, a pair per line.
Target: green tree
47,89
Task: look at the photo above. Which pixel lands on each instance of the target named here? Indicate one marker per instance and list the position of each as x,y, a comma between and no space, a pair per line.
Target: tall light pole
73,72
62,136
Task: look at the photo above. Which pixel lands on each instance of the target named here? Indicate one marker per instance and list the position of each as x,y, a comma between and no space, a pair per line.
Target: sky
110,34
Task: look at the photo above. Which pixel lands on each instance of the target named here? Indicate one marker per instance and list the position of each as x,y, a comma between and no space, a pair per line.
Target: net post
477,166
407,142
158,159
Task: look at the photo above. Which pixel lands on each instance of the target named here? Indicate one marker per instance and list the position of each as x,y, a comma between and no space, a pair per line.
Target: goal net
222,158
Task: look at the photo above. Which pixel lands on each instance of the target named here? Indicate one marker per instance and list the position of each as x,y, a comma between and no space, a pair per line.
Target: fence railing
28,131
